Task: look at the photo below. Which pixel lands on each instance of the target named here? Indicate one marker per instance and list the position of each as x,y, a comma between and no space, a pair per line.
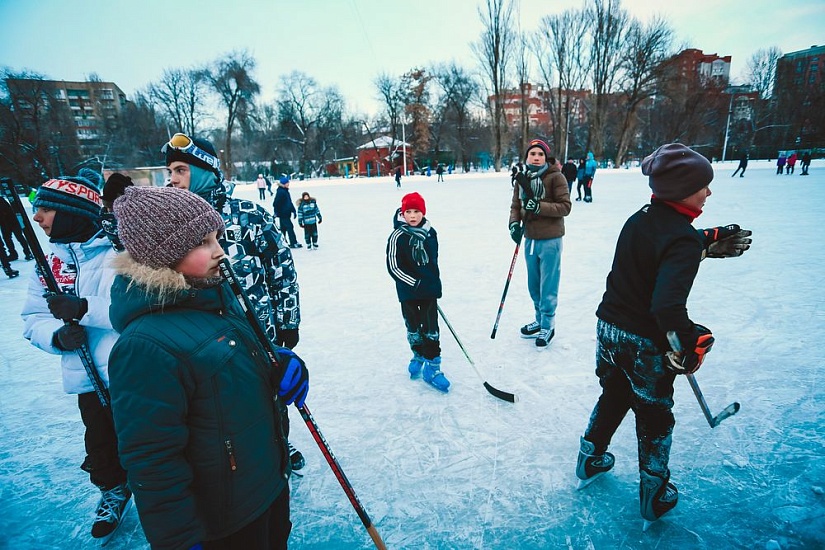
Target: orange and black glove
725,241
696,344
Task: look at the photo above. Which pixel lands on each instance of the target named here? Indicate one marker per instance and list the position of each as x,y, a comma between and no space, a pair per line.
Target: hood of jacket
139,289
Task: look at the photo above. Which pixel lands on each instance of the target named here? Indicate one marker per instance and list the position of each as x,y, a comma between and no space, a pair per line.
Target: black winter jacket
412,281
656,260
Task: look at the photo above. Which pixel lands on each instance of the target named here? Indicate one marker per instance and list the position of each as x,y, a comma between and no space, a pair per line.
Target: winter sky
340,42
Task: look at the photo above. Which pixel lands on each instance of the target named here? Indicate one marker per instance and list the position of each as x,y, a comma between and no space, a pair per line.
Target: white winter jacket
85,270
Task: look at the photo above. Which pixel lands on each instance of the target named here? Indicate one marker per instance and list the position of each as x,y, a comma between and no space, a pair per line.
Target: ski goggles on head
184,144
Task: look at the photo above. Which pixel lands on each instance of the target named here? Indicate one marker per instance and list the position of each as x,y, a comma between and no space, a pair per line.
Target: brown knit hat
676,172
160,225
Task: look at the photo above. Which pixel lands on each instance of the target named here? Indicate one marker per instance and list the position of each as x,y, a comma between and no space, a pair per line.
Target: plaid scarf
417,237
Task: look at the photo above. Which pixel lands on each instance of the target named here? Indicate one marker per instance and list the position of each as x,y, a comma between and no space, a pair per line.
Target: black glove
695,345
516,232
319,220
67,307
300,224
523,180
69,337
532,205
291,377
286,337
726,241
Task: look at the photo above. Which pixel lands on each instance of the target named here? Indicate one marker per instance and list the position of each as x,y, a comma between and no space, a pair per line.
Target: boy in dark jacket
285,211
412,260
192,387
256,249
309,216
656,260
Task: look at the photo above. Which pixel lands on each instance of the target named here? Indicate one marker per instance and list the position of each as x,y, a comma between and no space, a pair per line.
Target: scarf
417,237
536,185
681,208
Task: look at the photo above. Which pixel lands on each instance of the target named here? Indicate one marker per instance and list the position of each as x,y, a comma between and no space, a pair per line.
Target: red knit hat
413,201
541,145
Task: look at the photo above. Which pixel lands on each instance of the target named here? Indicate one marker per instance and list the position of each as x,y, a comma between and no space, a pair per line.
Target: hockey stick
243,300
506,287
714,421
503,395
45,271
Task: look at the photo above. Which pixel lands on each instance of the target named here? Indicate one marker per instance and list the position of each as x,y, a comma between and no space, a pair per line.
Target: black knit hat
676,172
115,186
202,154
74,195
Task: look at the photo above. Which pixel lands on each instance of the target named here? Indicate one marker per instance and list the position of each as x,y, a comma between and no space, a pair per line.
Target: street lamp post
727,127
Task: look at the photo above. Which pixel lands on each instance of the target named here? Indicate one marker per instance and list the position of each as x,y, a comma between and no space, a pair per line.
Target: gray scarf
536,185
417,237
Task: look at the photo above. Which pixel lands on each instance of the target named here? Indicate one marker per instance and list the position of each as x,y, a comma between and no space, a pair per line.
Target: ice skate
590,466
113,505
544,337
296,459
433,375
530,330
416,364
657,496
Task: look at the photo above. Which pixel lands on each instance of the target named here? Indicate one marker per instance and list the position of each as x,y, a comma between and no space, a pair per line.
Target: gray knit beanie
676,172
160,225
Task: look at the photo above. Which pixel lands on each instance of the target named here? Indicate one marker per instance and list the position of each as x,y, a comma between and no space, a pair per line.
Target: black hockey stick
243,300
714,421
52,287
506,287
503,395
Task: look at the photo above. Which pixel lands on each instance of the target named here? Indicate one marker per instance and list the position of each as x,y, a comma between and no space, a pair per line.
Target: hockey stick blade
728,411
501,394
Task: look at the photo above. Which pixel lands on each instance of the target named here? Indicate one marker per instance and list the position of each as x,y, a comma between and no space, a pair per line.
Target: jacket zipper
231,452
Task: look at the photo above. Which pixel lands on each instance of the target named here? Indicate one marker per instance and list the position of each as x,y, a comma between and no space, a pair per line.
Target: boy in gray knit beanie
192,385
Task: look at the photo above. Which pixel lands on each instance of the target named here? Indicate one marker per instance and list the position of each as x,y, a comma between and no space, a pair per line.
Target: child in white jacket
68,210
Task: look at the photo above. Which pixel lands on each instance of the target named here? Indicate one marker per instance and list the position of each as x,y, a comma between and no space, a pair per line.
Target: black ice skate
113,505
591,465
296,459
657,496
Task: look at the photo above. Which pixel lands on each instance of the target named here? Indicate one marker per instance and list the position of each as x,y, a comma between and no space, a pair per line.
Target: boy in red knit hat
412,260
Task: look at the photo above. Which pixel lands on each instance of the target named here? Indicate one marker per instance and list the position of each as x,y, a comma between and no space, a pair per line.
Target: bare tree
417,107
308,114
392,92
459,90
607,29
494,51
761,70
559,45
231,78
38,137
647,47
180,94
523,75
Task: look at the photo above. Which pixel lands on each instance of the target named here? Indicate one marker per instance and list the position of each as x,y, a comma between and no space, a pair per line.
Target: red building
691,63
382,155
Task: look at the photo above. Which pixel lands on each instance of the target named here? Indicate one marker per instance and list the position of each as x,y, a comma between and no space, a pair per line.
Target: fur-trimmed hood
160,281
139,289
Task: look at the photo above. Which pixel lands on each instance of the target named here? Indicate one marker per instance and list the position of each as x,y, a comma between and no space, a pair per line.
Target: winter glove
300,224
67,307
726,241
532,205
319,220
286,337
293,379
523,180
697,344
69,337
516,232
